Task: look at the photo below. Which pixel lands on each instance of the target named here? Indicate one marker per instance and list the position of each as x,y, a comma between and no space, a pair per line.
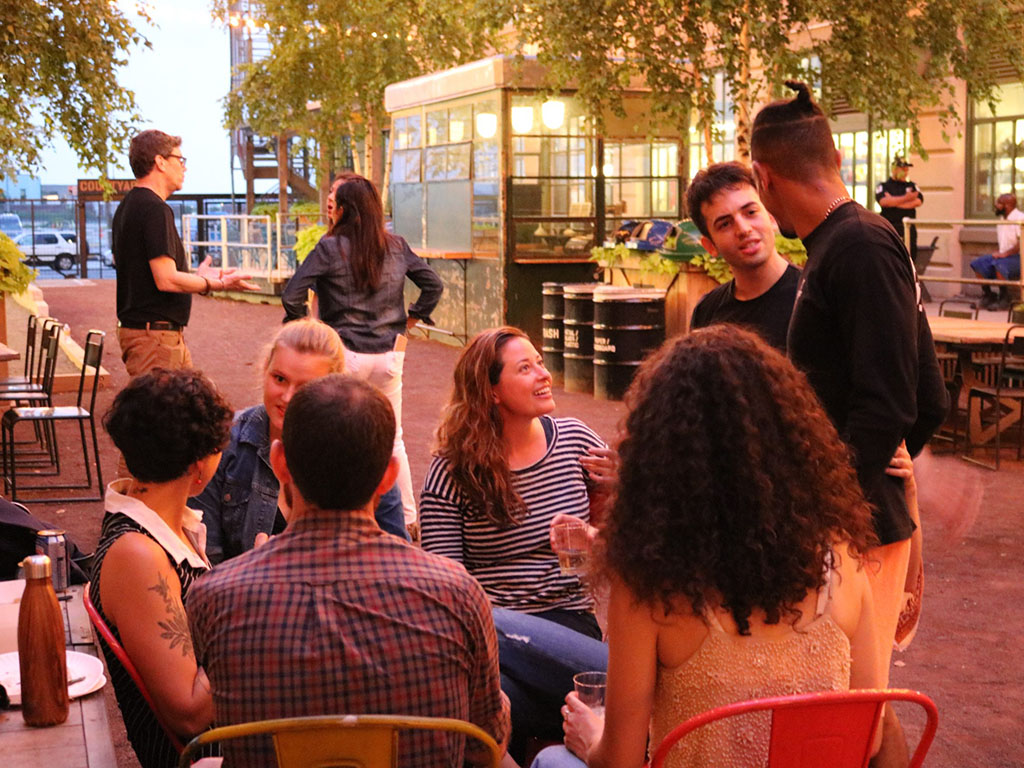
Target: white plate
79,665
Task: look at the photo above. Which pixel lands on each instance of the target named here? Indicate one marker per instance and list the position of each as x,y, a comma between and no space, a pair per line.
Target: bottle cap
36,567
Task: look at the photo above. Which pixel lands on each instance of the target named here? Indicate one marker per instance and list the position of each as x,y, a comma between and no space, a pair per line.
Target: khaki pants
887,574
143,350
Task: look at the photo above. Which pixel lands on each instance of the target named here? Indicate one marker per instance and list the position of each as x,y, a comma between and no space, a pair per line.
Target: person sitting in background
722,201
1004,264
239,504
736,573
333,616
170,426
503,472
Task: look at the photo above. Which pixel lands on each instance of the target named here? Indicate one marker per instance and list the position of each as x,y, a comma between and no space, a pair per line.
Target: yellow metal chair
339,741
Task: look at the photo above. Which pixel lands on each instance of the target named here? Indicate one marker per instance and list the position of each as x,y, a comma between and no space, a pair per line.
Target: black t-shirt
767,314
143,229
856,332
895,188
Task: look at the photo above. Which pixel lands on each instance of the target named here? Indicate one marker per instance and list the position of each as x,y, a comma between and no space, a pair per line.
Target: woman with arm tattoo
171,427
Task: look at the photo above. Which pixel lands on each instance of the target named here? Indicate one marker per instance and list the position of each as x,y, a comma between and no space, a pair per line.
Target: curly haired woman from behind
734,553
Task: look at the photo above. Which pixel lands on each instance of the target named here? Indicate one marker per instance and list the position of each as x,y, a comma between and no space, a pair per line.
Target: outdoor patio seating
1000,402
48,415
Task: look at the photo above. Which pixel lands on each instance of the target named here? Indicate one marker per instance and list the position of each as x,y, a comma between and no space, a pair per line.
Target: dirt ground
964,656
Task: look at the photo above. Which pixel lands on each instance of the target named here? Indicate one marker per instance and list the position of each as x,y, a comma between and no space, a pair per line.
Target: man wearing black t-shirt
723,203
859,333
154,285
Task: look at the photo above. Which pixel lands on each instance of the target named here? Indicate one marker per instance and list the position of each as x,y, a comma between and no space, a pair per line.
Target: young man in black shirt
722,201
154,285
858,332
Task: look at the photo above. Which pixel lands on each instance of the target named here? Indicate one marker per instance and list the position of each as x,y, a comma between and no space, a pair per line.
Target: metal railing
252,250
955,226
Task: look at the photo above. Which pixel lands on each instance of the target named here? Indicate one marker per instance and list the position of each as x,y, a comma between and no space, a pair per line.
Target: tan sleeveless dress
730,668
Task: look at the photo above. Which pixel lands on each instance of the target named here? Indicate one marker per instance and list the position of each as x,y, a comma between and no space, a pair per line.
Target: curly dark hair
164,421
733,485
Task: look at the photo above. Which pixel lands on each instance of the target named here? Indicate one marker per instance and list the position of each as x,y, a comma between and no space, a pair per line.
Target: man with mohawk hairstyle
858,331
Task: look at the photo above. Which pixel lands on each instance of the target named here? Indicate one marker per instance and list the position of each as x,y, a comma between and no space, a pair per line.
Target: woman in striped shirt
504,470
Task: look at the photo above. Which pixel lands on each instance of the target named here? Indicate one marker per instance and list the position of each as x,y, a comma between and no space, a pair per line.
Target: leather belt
153,325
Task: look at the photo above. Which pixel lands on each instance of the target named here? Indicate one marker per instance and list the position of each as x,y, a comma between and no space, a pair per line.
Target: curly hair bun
803,92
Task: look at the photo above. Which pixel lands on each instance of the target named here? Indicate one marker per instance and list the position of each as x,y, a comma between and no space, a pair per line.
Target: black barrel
551,347
629,323
578,337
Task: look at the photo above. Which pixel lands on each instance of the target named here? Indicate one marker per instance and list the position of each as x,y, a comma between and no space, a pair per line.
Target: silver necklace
835,204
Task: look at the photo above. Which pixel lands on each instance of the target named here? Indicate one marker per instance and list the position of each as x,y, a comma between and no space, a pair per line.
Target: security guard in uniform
899,199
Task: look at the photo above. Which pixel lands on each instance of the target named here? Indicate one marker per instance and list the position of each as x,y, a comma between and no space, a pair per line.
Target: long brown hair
469,436
733,484
362,223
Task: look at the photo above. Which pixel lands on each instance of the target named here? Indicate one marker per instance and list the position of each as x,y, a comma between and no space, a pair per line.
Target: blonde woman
240,504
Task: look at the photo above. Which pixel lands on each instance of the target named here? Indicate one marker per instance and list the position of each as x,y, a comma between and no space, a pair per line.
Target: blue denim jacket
241,499
366,322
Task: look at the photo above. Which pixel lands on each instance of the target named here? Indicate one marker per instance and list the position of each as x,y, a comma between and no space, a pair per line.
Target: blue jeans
991,269
556,757
538,658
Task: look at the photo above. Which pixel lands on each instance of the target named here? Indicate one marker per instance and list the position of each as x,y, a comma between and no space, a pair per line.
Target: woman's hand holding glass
582,726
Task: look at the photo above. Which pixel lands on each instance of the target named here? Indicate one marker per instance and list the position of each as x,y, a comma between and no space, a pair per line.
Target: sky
178,85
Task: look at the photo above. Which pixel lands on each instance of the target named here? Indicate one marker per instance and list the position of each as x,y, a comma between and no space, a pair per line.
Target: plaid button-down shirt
335,617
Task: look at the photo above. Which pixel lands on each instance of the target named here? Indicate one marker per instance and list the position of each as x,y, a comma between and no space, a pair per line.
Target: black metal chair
38,335
964,309
39,392
999,400
31,337
49,415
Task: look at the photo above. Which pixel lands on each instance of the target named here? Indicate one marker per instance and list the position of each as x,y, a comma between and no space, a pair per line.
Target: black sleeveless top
148,739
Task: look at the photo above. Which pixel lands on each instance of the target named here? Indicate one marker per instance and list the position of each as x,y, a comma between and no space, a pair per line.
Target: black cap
899,162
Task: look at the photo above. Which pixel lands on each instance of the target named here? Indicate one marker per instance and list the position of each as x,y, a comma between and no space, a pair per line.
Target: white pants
384,371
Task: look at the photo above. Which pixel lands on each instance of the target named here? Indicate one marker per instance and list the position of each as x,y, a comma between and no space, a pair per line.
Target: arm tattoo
176,628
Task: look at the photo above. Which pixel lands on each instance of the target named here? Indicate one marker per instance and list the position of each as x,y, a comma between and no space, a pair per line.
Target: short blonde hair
310,337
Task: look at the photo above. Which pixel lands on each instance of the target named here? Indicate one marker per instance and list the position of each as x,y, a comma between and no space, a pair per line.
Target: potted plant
14,277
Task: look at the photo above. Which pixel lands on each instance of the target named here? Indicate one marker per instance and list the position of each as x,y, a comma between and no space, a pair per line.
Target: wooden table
971,333
84,740
966,337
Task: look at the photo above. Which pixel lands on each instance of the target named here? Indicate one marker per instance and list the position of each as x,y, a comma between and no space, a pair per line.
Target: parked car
57,248
10,224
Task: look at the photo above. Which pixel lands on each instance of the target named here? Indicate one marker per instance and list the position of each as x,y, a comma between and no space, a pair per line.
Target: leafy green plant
792,249
306,239
14,275
303,208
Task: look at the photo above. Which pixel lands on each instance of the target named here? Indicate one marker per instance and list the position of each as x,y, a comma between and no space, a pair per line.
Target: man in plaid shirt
334,616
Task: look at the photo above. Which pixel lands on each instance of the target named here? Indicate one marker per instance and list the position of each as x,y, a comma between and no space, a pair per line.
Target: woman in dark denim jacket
358,273
240,504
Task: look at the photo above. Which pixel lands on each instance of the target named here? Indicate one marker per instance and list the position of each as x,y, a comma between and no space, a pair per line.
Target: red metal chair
817,730
122,656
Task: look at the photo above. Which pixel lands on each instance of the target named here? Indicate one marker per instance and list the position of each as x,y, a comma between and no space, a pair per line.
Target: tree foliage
58,77
890,60
343,53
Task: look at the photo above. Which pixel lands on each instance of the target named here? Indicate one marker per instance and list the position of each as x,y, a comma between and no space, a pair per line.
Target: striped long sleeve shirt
516,566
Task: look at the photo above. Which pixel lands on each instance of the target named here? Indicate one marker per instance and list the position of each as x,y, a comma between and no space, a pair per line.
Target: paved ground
965,655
